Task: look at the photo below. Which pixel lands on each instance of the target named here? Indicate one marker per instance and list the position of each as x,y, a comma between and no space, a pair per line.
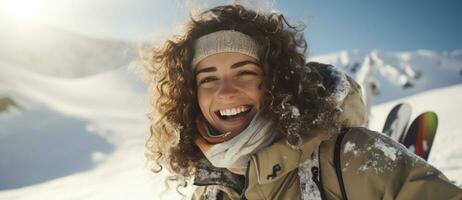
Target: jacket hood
347,95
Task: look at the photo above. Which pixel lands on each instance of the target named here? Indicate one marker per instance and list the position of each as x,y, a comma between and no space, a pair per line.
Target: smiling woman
238,110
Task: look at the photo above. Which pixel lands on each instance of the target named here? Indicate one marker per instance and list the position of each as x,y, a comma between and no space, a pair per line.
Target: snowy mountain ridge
385,76
54,51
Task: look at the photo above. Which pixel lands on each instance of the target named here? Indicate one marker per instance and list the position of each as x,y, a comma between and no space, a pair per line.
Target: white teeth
233,111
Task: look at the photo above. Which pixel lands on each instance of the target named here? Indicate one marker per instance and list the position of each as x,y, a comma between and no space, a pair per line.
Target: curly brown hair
296,94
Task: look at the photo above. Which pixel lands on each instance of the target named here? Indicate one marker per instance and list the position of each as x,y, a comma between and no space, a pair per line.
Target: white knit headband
224,41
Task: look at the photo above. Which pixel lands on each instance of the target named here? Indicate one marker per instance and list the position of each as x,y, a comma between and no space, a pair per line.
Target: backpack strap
337,163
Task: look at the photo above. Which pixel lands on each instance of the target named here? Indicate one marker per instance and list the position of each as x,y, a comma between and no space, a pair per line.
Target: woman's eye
246,73
207,80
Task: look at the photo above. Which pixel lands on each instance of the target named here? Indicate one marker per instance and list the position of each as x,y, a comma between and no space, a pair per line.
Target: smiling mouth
234,114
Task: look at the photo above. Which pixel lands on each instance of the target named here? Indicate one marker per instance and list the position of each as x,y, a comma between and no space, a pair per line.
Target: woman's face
229,90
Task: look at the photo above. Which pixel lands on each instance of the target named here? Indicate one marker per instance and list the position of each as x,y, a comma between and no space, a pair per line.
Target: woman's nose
227,90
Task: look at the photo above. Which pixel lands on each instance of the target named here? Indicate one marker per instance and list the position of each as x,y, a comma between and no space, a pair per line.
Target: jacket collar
265,163
207,174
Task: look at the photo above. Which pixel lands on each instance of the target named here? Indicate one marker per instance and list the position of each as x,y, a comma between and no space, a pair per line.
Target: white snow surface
81,134
75,138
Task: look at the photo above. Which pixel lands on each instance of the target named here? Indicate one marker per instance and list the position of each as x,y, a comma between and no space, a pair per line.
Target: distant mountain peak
386,75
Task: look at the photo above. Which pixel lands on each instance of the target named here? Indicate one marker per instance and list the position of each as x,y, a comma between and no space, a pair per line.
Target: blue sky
331,25
388,25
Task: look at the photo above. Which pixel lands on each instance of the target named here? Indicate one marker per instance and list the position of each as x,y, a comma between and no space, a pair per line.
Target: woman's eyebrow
235,65
242,63
206,69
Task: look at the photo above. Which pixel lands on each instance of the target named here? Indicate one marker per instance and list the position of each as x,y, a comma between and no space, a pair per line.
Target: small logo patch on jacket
276,169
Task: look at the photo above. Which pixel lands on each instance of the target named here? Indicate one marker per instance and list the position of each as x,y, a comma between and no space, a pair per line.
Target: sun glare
20,8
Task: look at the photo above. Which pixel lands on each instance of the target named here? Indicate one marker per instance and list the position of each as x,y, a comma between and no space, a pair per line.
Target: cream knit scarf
235,153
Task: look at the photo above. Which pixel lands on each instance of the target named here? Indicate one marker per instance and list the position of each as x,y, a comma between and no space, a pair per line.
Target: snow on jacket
354,164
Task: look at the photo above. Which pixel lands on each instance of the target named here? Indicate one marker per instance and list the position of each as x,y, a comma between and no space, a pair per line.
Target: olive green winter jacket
372,167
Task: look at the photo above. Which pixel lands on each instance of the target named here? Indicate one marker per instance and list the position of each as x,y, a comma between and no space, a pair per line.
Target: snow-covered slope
53,51
76,138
